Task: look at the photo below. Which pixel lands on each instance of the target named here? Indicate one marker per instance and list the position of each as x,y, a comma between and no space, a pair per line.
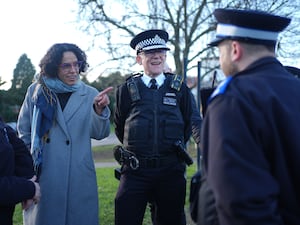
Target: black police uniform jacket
251,144
151,125
16,168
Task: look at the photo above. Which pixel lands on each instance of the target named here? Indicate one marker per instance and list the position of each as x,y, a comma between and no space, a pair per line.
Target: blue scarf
57,86
43,114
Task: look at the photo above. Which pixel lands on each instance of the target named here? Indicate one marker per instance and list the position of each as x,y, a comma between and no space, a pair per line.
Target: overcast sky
32,26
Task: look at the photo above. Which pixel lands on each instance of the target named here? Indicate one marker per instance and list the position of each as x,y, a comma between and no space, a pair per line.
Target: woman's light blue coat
68,179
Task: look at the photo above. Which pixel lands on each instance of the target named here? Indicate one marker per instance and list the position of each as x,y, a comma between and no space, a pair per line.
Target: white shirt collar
160,79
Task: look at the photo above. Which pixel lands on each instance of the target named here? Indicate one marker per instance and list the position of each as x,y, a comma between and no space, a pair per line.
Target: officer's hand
102,100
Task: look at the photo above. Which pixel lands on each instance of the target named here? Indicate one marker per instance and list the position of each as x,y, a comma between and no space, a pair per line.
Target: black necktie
153,84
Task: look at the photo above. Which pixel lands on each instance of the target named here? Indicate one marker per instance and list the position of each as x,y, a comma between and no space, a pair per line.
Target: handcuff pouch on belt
126,157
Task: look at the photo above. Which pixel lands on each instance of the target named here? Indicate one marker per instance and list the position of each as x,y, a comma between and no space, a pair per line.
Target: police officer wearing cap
152,116
251,133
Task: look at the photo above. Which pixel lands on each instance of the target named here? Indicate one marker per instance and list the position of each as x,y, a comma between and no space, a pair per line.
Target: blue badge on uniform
220,89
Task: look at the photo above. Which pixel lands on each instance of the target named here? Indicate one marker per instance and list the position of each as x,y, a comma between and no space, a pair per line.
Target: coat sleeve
15,189
100,126
23,159
25,117
15,170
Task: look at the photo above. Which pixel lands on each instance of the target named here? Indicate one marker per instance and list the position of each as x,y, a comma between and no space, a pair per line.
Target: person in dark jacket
17,179
251,133
153,121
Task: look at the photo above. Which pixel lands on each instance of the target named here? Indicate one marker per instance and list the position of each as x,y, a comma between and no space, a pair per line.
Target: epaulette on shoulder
134,75
176,82
221,88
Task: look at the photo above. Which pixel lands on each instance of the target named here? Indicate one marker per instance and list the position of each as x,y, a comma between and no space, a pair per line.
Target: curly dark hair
50,62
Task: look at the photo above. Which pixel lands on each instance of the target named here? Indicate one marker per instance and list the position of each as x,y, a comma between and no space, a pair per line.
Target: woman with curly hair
58,118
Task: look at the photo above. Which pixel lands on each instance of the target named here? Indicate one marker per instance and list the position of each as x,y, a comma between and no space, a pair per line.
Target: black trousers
6,215
165,186
153,213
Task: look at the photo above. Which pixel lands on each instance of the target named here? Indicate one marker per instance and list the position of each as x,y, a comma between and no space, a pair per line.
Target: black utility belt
157,162
134,161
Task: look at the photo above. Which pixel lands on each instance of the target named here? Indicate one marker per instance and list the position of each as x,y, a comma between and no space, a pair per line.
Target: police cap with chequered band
250,26
150,40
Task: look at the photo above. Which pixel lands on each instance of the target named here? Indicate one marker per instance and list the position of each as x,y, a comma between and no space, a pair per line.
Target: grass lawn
107,190
107,187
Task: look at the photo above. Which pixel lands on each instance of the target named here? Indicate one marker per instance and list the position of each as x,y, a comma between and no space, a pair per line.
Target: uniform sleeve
186,110
123,103
196,121
245,191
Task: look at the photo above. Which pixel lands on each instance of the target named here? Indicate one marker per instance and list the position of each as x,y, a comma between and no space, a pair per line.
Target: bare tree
2,82
190,25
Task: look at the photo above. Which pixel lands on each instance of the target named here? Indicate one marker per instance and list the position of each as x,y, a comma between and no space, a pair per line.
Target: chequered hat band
150,42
